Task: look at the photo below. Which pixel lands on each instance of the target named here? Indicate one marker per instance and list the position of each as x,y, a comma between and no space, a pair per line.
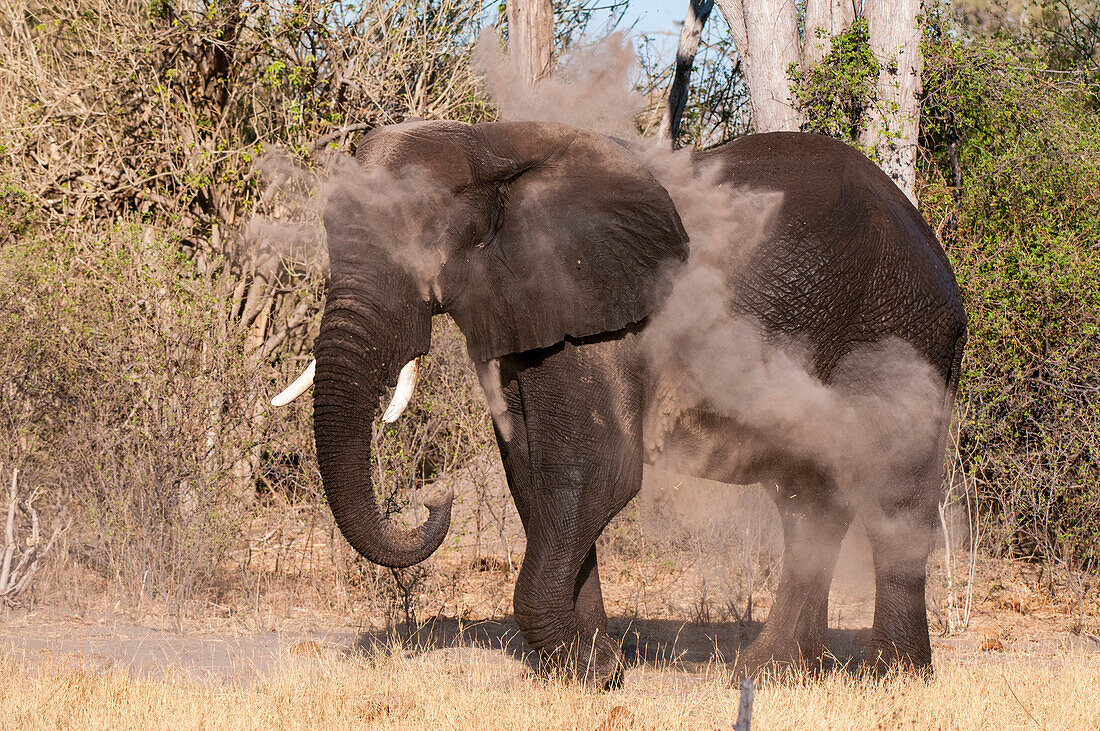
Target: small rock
306,648
992,644
618,718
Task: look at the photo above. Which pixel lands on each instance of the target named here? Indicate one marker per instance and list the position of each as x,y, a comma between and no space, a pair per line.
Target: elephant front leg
559,608
588,597
573,459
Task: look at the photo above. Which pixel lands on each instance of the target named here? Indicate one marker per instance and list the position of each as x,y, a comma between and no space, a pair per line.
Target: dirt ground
1010,622
678,590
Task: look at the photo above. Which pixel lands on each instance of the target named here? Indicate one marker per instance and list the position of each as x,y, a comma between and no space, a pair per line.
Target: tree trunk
893,122
696,17
765,33
531,36
824,19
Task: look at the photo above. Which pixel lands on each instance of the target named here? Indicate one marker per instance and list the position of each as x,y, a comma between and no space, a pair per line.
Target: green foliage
834,94
1011,180
16,211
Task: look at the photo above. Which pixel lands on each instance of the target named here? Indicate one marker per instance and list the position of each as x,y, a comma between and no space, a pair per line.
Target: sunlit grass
479,689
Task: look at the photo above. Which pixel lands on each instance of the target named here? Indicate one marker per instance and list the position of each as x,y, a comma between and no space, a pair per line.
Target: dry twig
14,580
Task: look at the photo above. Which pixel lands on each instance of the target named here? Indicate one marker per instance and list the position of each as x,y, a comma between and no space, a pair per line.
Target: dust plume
386,206
878,415
287,224
880,411
883,407
591,88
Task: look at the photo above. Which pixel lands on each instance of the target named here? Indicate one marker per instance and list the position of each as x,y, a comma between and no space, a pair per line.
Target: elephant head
525,233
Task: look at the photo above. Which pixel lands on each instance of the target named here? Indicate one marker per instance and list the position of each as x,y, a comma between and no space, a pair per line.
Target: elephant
558,253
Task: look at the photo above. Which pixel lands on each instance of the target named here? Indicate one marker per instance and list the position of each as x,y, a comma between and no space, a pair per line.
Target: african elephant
559,254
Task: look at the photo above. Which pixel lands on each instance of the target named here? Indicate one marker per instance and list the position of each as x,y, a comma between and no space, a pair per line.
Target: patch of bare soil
685,593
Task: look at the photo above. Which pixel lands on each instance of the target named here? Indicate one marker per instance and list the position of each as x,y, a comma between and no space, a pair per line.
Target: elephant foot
596,662
771,657
884,659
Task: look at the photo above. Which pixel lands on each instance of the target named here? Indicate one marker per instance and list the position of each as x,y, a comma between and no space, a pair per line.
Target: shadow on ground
654,643
650,646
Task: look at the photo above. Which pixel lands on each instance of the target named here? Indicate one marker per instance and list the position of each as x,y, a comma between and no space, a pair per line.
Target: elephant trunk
358,356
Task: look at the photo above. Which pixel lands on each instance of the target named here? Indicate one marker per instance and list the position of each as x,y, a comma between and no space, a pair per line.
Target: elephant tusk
406,383
296,389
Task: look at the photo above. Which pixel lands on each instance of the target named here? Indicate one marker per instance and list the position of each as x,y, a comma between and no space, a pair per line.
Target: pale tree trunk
765,33
531,36
696,17
824,19
893,123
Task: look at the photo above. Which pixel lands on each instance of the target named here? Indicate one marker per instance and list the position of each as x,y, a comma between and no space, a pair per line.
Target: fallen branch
744,708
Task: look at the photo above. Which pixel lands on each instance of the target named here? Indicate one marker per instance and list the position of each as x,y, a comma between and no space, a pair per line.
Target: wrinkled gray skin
553,249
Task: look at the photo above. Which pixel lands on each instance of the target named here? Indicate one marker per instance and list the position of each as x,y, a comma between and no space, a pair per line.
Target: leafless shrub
120,110
18,564
127,106
128,399
960,494
140,379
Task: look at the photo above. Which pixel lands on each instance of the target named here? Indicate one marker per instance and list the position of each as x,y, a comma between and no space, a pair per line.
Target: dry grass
476,690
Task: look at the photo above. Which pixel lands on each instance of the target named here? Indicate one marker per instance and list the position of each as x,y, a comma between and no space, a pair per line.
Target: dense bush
128,400
1012,185
137,409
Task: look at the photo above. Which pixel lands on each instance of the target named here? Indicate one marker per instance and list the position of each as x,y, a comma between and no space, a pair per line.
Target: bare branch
14,581
339,134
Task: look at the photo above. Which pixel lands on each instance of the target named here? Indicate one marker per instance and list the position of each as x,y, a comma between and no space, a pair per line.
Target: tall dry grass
477,691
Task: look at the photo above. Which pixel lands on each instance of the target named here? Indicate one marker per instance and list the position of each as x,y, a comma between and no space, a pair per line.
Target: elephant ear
582,240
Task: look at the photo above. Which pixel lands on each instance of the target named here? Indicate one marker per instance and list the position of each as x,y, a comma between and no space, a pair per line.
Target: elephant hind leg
795,631
902,531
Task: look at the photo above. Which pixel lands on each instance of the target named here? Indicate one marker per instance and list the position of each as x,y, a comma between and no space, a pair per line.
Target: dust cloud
880,413
591,88
287,225
380,204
